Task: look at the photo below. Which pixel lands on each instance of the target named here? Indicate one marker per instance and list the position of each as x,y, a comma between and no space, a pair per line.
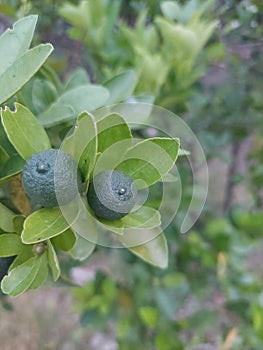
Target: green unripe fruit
51,178
4,266
111,194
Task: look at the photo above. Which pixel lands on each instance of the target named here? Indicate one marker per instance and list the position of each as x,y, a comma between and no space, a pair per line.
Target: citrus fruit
51,178
111,194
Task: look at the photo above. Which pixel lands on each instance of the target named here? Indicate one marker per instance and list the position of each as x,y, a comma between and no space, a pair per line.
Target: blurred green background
203,61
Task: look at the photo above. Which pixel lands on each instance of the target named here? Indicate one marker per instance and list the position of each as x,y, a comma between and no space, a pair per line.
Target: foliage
28,137
211,290
163,53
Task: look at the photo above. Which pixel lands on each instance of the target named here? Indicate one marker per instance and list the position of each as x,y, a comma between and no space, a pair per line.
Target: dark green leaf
65,241
12,167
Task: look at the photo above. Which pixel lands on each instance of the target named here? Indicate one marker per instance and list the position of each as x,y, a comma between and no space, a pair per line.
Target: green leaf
149,316
85,219
44,224
77,78
65,241
82,248
82,144
150,159
111,130
121,86
82,98
18,221
3,155
43,94
42,273
12,167
23,256
115,226
112,156
21,277
154,252
144,217
53,261
24,131
19,73
6,219
5,143
15,42
56,114
171,10
10,245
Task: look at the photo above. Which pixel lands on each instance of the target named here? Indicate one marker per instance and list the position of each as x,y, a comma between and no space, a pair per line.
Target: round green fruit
111,194
51,178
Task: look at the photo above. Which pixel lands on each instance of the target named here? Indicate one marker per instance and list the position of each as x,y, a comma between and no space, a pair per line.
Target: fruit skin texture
4,266
111,194
51,178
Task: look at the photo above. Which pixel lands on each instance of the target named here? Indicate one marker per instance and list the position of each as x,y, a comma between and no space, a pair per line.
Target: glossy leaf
15,42
55,115
42,273
82,98
82,143
53,261
3,155
154,252
150,159
21,277
144,217
19,73
10,245
5,143
111,130
121,86
24,131
112,156
65,241
23,256
115,226
82,248
12,167
6,219
18,221
43,224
